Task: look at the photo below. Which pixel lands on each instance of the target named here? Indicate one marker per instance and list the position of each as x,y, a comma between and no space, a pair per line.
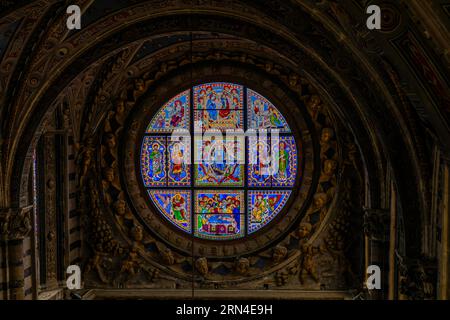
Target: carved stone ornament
15,223
376,224
415,281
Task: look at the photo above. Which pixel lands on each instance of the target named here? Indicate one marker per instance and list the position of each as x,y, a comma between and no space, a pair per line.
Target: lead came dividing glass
234,187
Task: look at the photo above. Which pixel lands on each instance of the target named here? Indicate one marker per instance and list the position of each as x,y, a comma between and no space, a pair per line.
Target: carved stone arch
400,165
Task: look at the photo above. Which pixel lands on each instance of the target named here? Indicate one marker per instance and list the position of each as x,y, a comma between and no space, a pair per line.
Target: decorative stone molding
15,223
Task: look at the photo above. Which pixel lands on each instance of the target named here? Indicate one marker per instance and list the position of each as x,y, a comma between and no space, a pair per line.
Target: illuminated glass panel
259,162
285,169
263,206
219,119
175,114
179,169
219,226
175,206
219,161
262,114
153,161
223,201
219,95
272,162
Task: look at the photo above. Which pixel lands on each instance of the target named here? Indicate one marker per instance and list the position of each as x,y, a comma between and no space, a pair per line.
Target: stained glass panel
262,114
219,162
219,119
263,206
259,162
219,226
175,114
285,150
179,173
175,205
223,201
153,161
219,95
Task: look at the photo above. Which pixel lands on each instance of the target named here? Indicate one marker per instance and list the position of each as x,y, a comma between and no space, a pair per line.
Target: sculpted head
109,174
329,166
314,102
242,265
167,256
120,207
110,140
304,229
327,134
120,107
279,253
201,264
320,199
137,233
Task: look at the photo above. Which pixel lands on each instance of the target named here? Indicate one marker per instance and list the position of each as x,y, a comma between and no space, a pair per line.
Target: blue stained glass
153,161
262,114
173,182
219,226
179,172
175,206
263,206
175,114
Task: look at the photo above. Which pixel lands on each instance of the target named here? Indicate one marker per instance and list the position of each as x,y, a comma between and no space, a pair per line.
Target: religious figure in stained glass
259,167
219,106
175,204
218,162
219,95
286,151
263,115
264,206
219,202
179,170
153,158
173,115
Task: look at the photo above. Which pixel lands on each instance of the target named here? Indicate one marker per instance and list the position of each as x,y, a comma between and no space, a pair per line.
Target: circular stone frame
151,101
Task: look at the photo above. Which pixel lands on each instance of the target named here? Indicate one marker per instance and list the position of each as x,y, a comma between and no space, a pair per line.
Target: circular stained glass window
219,161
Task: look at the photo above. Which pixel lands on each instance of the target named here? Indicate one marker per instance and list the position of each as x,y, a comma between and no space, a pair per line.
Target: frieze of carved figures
329,159
15,223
